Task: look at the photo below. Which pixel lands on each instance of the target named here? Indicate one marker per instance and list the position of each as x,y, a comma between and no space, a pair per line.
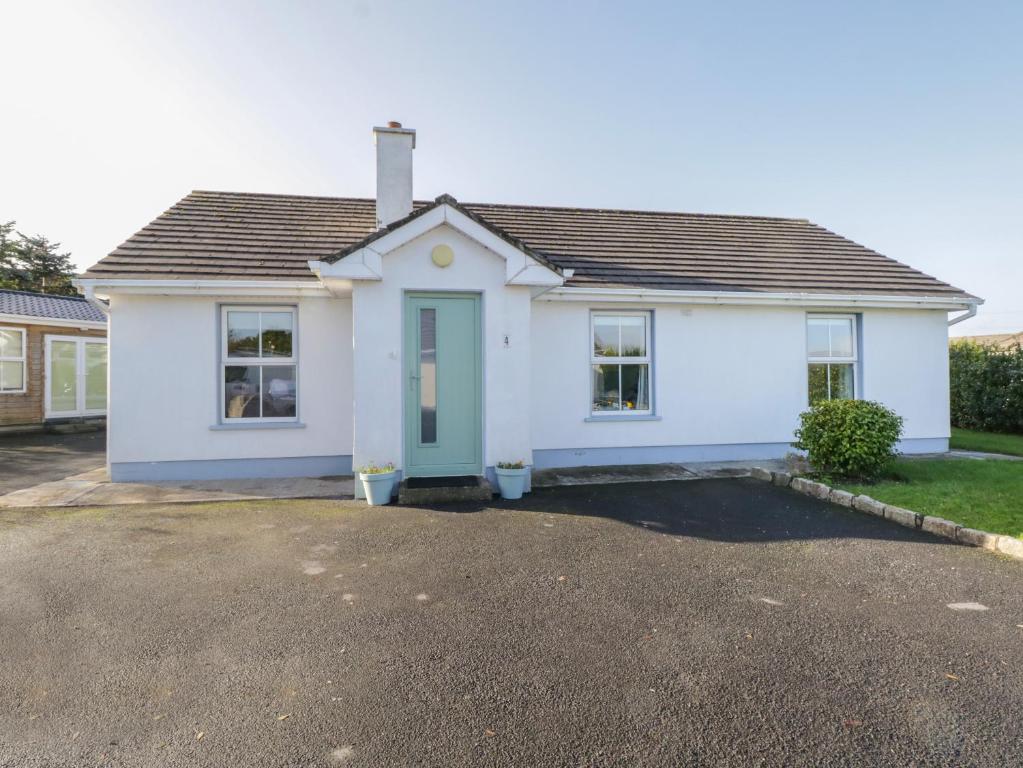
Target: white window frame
226,360
80,409
647,359
834,360
13,359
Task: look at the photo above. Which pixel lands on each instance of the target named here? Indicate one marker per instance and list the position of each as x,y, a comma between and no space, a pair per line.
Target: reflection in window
12,359
620,363
260,370
275,334
95,376
63,376
831,357
243,334
427,375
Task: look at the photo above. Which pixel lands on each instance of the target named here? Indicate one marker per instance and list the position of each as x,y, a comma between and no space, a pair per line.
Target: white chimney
394,172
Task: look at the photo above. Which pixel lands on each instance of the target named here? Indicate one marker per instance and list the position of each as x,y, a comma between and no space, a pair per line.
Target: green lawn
987,495
992,442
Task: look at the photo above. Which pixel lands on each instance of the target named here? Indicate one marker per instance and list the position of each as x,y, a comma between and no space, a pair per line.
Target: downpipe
970,312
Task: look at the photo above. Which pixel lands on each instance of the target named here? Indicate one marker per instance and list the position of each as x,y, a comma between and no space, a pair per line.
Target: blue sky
899,125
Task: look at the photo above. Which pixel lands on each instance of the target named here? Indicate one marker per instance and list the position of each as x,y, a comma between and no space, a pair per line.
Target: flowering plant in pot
511,478
378,482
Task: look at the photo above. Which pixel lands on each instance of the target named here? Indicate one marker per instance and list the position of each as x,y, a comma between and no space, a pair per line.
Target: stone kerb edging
1006,545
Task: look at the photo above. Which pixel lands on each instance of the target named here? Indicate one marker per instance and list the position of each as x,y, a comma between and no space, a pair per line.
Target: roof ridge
644,212
332,198
512,206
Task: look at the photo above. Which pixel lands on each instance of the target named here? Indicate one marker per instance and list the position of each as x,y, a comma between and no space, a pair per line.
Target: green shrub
986,387
849,438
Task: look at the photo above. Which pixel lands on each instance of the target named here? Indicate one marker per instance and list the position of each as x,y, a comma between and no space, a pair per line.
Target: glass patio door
76,376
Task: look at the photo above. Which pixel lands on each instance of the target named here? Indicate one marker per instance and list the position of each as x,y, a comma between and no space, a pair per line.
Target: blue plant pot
379,487
511,482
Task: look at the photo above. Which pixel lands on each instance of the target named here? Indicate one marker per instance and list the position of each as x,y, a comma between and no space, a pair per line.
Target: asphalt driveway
27,460
705,622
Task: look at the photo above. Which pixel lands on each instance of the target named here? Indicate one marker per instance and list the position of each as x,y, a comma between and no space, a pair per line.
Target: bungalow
53,360
258,335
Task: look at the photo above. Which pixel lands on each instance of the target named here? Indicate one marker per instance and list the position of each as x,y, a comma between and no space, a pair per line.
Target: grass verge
987,495
991,442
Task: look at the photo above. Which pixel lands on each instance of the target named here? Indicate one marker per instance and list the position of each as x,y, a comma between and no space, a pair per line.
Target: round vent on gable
442,255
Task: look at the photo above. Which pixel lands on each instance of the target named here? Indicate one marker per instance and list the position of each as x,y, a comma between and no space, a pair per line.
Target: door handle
412,379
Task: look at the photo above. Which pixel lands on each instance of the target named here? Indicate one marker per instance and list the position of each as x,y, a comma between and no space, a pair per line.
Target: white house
271,335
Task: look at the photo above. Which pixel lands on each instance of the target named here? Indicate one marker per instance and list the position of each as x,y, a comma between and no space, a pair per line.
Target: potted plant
511,478
378,483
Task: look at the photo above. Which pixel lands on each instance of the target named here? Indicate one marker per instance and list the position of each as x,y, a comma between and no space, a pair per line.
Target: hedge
986,387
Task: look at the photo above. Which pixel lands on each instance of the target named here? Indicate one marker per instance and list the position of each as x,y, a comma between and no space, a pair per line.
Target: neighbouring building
260,335
53,359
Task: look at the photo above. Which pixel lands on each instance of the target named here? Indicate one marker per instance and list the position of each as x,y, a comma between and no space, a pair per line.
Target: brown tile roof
211,235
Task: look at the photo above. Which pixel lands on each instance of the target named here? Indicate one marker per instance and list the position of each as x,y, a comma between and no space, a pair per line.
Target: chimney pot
393,124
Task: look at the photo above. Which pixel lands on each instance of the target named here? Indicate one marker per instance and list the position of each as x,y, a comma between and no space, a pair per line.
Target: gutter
545,289
89,286
646,295
971,311
90,296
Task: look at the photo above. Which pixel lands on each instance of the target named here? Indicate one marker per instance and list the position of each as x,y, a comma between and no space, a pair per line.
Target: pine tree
10,276
34,263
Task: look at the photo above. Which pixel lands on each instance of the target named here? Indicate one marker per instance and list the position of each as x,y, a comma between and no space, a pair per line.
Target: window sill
625,417
258,425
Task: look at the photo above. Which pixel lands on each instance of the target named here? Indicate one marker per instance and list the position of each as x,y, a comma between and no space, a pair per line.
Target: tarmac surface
698,622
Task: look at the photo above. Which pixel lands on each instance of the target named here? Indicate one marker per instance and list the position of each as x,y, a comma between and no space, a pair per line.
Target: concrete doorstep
937,526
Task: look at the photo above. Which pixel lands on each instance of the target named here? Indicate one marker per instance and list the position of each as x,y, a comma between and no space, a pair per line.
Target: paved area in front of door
94,488
55,470
702,622
30,459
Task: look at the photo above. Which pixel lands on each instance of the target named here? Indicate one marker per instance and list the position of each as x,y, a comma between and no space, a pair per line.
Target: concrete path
549,478
980,455
94,489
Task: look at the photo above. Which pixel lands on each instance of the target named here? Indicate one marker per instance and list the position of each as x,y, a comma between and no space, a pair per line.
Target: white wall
906,367
378,310
727,375
164,382
723,375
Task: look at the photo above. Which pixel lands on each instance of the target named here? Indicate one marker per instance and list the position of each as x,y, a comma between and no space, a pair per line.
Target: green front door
443,385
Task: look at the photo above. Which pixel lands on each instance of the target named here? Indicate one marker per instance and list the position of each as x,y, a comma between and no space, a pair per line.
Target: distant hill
1000,340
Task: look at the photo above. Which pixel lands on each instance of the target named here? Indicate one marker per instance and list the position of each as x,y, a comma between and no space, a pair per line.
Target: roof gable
363,260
